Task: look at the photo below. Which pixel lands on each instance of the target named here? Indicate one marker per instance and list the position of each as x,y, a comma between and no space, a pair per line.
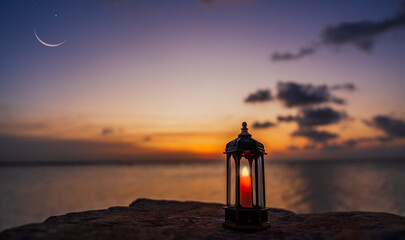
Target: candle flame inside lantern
245,172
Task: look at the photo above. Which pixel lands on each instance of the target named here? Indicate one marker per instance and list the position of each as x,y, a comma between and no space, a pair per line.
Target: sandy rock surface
158,219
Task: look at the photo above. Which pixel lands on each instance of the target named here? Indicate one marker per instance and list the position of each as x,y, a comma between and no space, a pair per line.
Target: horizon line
61,163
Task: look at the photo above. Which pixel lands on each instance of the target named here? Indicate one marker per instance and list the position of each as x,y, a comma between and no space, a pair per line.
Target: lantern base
247,219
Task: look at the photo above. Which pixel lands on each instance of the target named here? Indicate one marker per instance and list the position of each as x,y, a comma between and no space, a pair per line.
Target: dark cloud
332,147
348,150
383,152
385,139
14,149
353,142
296,94
361,34
262,125
393,128
41,149
23,126
309,147
147,139
311,117
292,148
107,131
288,118
262,95
346,86
315,135
210,3
291,56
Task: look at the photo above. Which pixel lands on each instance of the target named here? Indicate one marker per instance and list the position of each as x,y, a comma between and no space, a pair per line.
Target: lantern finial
244,132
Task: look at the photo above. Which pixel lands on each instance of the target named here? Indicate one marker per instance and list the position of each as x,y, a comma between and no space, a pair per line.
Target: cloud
288,118
263,125
310,117
292,148
305,96
383,152
262,95
385,139
309,147
393,128
107,131
210,3
346,86
296,94
23,126
332,147
48,150
361,34
305,51
44,149
351,143
315,135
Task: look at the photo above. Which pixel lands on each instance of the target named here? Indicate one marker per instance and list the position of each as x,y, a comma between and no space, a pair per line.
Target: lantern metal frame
237,216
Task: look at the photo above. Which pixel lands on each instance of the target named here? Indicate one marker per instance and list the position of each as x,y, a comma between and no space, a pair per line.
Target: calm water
31,194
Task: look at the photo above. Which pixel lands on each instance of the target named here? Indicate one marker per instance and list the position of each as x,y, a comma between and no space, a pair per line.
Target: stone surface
155,219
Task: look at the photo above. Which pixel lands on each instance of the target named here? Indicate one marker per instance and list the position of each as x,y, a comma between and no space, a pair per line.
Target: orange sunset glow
155,89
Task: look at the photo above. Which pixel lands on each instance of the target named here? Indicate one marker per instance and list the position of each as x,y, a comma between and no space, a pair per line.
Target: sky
158,79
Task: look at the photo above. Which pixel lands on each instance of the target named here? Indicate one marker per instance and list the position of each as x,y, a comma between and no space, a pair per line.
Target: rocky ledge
157,219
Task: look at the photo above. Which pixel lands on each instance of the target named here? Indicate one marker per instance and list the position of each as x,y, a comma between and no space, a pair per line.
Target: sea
31,193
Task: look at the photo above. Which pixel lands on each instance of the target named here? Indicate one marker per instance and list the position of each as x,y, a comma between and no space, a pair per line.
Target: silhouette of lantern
245,195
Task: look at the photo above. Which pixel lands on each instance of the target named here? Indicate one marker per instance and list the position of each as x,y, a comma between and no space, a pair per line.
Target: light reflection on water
31,194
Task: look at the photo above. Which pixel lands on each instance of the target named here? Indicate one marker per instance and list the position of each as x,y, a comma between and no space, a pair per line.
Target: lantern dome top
244,142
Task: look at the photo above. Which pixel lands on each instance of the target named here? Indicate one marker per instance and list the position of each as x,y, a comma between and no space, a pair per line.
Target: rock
159,219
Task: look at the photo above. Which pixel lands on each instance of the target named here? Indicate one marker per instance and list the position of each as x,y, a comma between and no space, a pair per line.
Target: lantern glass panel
260,182
231,186
254,184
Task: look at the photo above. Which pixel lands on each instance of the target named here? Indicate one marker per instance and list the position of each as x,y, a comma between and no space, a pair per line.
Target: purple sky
169,79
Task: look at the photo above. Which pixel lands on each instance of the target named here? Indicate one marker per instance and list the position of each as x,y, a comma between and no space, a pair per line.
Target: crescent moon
47,44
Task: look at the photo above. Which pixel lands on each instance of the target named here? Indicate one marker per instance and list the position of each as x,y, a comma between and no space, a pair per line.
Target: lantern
245,193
